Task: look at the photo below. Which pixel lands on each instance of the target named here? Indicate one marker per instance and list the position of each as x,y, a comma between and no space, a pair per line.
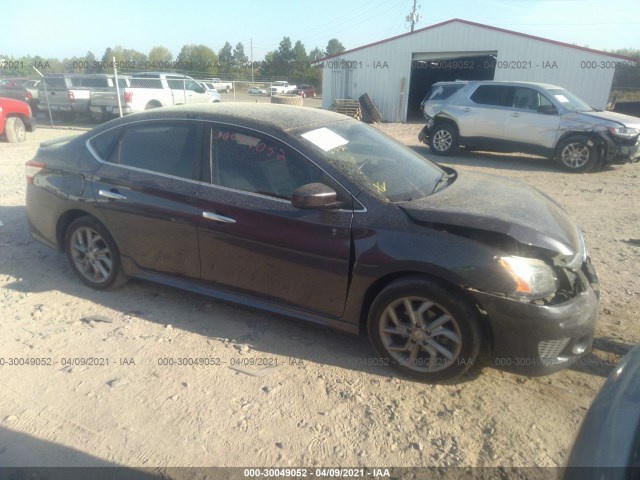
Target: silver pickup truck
103,97
64,95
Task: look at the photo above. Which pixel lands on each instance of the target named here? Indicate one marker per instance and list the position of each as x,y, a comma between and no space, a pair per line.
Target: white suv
527,117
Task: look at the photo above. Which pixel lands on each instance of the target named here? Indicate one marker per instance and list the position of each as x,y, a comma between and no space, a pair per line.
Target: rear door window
494,95
170,148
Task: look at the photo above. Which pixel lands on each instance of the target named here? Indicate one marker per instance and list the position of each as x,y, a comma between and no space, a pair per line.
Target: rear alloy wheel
426,331
577,154
15,131
443,139
93,254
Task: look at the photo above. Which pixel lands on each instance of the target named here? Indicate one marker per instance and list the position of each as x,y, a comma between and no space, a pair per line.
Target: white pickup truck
281,87
221,86
152,90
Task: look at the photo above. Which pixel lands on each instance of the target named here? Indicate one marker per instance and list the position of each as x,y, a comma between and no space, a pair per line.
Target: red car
15,120
305,91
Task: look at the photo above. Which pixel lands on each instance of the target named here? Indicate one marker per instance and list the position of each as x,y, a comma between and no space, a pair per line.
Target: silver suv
527,117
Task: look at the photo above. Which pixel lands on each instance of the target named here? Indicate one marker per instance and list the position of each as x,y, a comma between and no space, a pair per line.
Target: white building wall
384,70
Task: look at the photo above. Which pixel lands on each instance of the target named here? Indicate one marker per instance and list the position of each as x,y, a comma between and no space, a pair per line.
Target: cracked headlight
533,279
623,132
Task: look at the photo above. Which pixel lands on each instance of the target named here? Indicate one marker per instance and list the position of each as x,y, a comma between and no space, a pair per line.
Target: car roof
252,115
498,82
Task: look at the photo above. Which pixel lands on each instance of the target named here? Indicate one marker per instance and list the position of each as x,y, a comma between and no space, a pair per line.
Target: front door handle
217,218
111,195
514,114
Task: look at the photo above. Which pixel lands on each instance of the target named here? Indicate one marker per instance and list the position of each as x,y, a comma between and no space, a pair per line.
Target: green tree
285,53
225,58
198,60
239,57
301,63
160,55
334,47
315,54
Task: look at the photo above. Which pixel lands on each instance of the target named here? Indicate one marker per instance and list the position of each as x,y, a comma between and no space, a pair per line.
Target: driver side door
252,240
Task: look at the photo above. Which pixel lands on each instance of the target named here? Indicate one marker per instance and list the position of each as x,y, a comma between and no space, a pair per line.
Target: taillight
28,95
128,96
32,168
72,97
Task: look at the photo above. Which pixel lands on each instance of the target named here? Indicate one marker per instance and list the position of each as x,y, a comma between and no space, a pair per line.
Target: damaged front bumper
619,151
532,339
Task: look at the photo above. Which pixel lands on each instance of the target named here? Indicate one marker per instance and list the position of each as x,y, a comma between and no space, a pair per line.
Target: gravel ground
278,392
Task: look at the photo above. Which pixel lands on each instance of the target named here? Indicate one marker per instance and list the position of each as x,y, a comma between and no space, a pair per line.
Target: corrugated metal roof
481,25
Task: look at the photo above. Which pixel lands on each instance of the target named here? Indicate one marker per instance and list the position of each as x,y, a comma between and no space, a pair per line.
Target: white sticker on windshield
562,98
325,138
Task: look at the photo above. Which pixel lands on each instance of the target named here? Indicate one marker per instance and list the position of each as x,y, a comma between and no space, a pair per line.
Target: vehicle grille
552,348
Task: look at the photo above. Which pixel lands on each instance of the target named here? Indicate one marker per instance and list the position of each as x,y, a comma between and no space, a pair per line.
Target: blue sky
67,28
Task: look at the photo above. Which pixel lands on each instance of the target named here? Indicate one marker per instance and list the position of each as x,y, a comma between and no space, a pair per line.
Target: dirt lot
312,401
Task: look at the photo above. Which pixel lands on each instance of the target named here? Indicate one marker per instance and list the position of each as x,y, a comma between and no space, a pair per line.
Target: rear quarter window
104,143
442,92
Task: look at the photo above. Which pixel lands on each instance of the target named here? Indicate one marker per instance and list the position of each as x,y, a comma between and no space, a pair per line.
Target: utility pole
414,17
252,62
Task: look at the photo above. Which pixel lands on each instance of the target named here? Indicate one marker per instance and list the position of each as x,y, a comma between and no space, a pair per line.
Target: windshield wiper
444,179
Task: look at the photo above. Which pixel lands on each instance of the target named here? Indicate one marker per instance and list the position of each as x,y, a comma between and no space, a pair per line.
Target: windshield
375,162
569,101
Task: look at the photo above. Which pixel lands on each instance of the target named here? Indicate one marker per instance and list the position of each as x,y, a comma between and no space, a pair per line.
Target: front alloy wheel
443,139
420,334
577,154
426,331
92,253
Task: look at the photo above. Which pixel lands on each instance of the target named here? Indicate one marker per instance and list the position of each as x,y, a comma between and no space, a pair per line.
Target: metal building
399,71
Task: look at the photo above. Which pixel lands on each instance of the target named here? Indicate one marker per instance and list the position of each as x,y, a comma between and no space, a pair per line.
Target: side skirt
132,270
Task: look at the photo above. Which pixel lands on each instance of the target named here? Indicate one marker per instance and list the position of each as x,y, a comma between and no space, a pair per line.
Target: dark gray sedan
317,216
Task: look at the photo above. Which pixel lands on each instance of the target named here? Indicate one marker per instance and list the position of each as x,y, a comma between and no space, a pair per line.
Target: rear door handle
217,218
111,195
515,114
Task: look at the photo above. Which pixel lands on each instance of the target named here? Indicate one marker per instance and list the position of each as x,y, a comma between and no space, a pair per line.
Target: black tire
15,130
68,116
152,104
443,139
92,254
454,327
370,112
98,117
577,154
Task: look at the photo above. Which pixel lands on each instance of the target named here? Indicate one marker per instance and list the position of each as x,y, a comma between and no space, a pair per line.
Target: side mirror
547,109
314,196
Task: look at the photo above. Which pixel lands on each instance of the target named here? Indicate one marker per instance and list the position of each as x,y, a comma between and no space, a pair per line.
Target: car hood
498,204
620,118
